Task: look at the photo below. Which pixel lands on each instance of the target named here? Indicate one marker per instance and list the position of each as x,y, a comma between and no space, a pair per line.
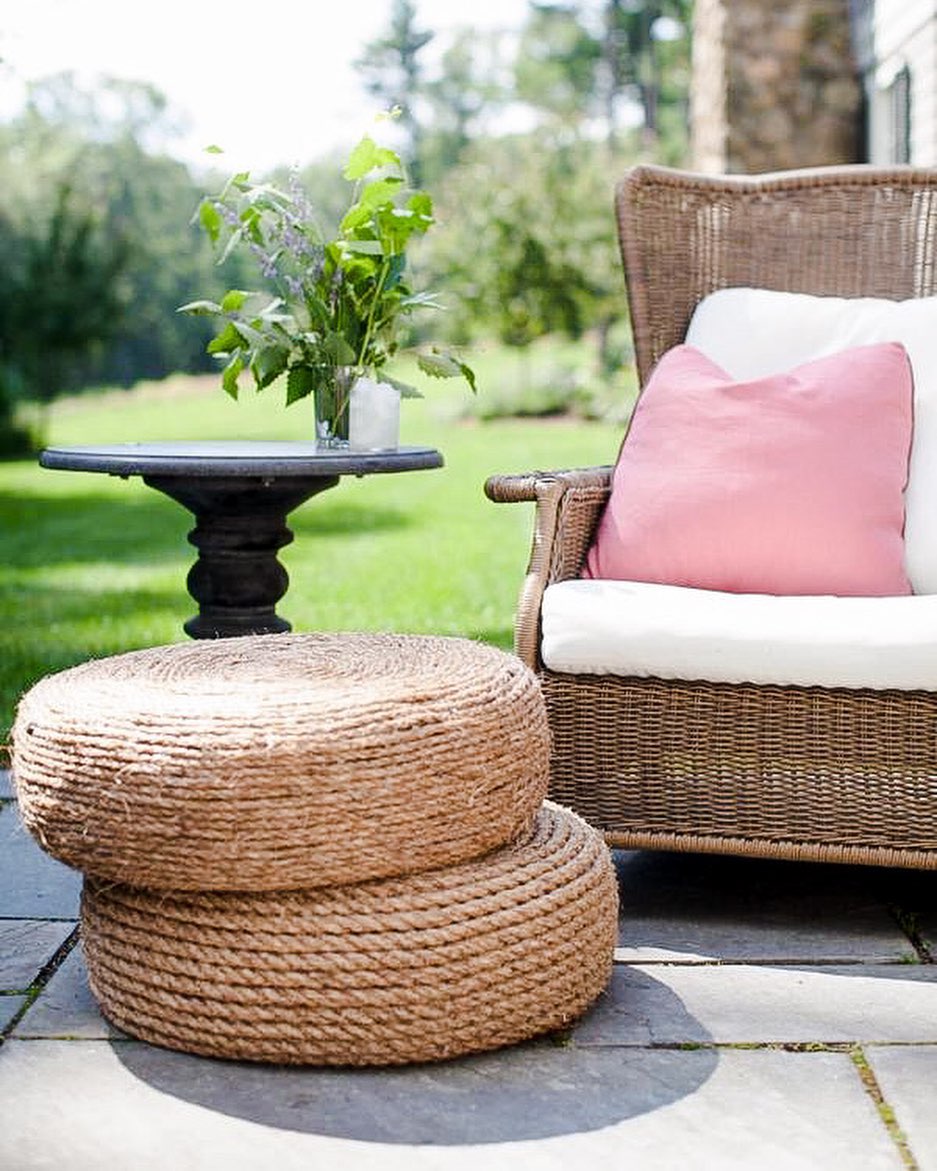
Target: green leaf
213,149
233,300
226,341
396,267
421,204
364,247
250,336
251,224
337,350
380,191
233,240
355,217
300,382
366,157
240,182
268,364
210,219
269,311
404,388
424,300
438,364
317,309
200,308
229,376
469,375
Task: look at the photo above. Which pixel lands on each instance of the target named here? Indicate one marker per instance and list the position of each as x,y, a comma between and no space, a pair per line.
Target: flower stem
369,328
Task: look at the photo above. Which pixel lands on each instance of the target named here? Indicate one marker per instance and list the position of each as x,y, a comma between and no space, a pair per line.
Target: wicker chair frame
833,775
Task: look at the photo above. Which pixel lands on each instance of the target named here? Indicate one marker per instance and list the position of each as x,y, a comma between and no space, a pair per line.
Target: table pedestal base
240,526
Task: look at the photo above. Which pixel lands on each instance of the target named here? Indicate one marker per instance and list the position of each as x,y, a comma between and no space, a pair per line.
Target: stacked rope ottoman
324,849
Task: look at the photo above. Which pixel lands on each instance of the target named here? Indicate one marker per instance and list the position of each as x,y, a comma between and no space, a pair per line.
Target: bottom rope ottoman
451,961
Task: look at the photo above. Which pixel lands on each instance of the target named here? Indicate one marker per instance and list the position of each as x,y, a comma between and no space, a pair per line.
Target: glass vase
332,396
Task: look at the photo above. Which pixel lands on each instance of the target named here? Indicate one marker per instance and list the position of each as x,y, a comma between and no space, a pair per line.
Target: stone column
774,85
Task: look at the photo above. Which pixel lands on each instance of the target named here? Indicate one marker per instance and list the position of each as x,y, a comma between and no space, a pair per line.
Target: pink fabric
791,484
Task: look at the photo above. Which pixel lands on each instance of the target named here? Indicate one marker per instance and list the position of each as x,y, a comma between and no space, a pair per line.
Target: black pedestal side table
240,494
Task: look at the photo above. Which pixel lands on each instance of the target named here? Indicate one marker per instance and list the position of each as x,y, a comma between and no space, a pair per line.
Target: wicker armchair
840,775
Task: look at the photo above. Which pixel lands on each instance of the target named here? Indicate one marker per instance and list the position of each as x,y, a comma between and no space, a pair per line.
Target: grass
92,565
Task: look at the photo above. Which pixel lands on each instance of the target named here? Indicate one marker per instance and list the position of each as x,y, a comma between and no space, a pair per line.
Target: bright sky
271,82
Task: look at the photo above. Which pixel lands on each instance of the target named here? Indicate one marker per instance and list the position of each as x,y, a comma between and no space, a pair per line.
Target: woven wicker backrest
844,231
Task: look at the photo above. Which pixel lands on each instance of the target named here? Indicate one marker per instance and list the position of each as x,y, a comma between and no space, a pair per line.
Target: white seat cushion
672,632
752,333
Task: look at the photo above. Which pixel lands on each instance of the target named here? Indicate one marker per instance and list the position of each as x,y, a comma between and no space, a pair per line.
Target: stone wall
774,85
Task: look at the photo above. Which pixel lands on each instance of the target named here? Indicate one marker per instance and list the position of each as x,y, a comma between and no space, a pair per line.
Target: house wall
900,79
774,85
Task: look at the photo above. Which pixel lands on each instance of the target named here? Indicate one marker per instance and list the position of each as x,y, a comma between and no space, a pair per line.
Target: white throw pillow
752,333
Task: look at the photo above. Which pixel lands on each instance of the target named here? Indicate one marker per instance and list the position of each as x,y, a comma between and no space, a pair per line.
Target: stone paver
26,946
714,953
91,1105
687,909
867,937
739,1004
9,1007
639,1007
66,1007
524,1093
907,1076
34,886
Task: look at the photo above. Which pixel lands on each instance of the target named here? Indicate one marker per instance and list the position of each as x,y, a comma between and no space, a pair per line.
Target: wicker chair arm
514,489
569,504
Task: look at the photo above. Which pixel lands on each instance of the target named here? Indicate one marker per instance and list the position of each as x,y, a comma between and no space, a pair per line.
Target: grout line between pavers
38,919
38,985
883,1107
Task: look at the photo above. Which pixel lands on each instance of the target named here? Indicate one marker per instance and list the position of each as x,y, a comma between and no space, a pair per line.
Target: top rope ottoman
272,762
326,849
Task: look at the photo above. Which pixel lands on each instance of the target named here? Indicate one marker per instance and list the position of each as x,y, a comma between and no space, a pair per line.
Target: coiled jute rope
447,962
279,762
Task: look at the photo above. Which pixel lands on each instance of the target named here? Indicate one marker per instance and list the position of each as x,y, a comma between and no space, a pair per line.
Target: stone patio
766,1015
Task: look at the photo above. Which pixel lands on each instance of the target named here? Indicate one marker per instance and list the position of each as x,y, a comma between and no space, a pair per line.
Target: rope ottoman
270,762
324,849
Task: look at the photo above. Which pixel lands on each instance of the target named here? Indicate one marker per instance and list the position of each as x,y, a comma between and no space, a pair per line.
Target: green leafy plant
336,303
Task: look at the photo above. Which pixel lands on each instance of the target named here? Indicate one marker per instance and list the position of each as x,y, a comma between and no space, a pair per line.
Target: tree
116,108
144,202
465,89
59,300
556,63
151,199
67,297
527,245
393,73
625,62
98,247
645,51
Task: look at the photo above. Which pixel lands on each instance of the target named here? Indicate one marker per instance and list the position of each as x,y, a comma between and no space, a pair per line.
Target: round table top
235,458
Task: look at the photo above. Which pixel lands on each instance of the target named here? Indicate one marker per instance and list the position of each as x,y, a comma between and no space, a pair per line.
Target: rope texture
419,968
279,762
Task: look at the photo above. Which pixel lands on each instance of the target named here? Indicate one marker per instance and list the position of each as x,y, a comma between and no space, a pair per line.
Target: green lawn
93,565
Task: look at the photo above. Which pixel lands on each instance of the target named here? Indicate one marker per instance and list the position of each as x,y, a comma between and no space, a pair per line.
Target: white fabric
755,332
671,632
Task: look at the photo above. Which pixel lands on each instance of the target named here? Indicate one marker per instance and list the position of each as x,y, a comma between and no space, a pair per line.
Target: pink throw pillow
790,484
